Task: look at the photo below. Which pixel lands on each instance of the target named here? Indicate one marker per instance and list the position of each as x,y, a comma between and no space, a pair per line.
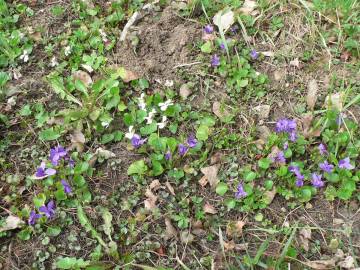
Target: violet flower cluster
57,154
191,142
287,126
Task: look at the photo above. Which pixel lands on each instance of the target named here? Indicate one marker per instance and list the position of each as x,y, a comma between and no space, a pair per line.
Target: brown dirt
165,42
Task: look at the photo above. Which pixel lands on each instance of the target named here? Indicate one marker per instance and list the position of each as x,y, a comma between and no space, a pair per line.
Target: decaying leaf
170,229
186,237
219,111
185,91
150,202
262,111
348,263
335,101
155,185
308,131
248,7
208,208
216,158
321,264
274,152
83,77
305,236
232,246
208,37
295,63
128,75
211,175
311,96
11,223
269,195
268,54
170,188
235,229
224,19
263,132
78,140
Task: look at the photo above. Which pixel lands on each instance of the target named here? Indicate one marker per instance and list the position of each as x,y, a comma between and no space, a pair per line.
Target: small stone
185,91
262,111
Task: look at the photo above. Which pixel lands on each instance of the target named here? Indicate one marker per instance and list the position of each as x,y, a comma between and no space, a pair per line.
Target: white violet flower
53,62
131,133
25,56
164,105
163,122
142,104
149,118
67,50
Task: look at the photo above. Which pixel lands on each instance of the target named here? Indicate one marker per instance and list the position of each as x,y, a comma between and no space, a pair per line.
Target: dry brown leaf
216,158
262,111
235,229
229,245
274,152
170,230
269,195
203,181
311,96
223,19
130,76
263,132
155,185
207,37
295,63
211,173
170,188
305,236
219,111
185,91
248,7
321,264
208,208
268,54
83,76
348,263
197,224
36,36
150,202
77,140
308,131
11,223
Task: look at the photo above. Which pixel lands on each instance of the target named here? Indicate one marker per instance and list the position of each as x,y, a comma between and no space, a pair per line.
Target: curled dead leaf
219,111
77,140
155,185
150,202
216,158
295,63
321,264
305,236
311,96
170,229
335,101
248,7
235,229
269,196
170,188
186,237
83,76
11,223
208,208
224,19
262,111
348,263
211,173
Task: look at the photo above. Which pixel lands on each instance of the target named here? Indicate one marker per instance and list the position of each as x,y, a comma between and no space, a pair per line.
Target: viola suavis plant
232,59
297,168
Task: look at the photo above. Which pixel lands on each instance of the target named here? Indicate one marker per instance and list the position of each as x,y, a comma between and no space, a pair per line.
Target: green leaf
57,85
79,180
53,231
346,190
249,176
25,111
264,163
49,134
71,263
305,194
206,47
202,133
81,167
107,217
106,138
79,85
221,188
157,168
137,167
148,129
25,234
39,200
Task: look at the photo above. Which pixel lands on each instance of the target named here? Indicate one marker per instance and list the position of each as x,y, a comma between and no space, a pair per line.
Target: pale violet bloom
164,105
25,56
67,50
131,133
103,35
53,62
142,104
150,117
163,122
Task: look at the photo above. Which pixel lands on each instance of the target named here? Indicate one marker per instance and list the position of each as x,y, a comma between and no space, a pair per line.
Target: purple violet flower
182,149
299,182
345,164
316,180
215,60
56,154
168,155
136,141
208,29
293,136
71,163
222,46
240,192
191,141
299,177
322,149
67,187
254,54
326,166
33,217
287,126
286,146
280,157
49,209
43,172
234,29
